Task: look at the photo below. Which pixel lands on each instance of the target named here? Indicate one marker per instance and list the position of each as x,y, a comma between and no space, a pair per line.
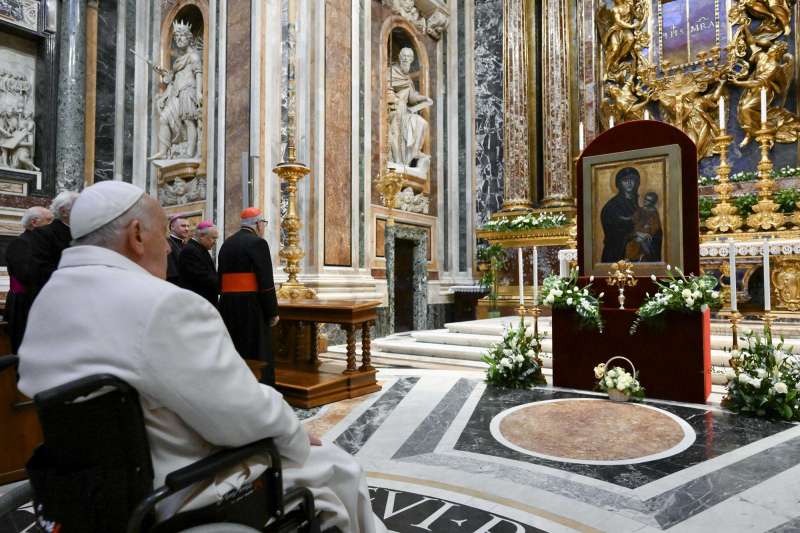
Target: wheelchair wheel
220,528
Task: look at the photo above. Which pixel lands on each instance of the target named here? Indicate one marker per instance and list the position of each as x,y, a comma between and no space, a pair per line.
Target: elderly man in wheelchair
151,420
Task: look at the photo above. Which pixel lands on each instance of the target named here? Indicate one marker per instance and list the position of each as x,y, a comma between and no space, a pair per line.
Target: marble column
556,105
70,140
515,107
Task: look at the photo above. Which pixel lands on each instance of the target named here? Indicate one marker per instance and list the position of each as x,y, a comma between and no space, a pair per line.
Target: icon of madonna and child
631,231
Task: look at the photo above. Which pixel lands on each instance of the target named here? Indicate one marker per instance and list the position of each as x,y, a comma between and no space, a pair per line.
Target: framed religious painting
632,210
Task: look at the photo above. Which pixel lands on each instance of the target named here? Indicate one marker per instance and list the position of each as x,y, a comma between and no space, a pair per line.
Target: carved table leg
312,358
350,329
366,361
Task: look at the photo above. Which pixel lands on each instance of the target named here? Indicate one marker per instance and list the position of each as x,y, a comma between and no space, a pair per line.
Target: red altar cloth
673,357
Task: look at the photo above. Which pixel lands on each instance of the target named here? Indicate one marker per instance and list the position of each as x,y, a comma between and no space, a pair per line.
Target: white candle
521,277
732,268
767,302
580,137
646,114
763,107
611,122
563,265
535,274
721,114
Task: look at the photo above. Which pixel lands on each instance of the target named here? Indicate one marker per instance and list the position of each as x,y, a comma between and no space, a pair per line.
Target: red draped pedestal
672,356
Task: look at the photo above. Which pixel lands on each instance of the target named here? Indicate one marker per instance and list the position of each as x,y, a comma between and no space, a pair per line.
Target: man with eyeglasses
248,303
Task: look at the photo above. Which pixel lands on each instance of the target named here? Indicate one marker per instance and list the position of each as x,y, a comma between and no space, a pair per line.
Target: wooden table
302,378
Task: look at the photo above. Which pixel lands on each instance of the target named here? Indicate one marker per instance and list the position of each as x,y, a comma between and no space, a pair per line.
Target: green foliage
495,255
764,380
564,293
787,199
514,362
706,204
745,203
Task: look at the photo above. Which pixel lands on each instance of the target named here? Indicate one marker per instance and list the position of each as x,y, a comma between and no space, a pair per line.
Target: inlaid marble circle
592,431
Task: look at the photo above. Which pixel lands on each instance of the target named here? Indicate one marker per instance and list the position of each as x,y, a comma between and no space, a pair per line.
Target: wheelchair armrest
7,361
223,459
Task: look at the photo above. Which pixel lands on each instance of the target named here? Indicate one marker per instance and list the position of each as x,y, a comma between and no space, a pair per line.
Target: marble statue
408,10
181,191
412,203
180,102
437,24
17,127
407,129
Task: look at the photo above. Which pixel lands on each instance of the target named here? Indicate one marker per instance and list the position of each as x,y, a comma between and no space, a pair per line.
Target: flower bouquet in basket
564,293
620,384
678,293
514,362
764,380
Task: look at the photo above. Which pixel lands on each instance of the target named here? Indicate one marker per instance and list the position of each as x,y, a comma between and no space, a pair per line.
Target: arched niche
397,33
194,12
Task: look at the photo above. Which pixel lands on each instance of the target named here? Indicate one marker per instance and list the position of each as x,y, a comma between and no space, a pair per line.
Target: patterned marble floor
437,460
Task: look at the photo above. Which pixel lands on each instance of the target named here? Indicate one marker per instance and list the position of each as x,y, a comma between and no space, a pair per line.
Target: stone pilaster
556,105
70,138
515,107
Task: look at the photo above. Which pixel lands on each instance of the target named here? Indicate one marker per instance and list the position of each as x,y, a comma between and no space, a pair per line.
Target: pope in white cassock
107,309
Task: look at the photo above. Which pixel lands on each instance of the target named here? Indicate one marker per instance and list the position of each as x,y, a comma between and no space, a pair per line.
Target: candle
580,137
521,277
763,107
732,268
721,114
535,274
646,114
767,303
563,266
611,122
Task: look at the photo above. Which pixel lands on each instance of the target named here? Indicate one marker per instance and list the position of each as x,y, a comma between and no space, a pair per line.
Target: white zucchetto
100,204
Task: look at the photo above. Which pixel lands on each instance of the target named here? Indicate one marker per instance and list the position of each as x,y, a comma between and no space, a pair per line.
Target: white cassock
102,313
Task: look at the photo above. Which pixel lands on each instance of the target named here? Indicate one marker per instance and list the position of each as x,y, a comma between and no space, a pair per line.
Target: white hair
108,236
205,231
251,222
32,215
63,202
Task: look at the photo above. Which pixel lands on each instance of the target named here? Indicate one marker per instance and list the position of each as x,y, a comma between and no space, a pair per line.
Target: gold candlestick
765,213
735,317
725,214
768,319
621,276
291,172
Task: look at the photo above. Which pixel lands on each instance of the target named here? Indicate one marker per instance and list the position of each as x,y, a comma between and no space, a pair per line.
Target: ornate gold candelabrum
725,214
734,319
621,276
388,185
765,213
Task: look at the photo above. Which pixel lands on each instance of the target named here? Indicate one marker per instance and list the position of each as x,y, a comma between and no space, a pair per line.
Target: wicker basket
614,394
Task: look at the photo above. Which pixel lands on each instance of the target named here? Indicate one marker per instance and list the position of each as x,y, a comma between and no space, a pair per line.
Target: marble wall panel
338,134
127,129
488,108
237,107
462,141
105,91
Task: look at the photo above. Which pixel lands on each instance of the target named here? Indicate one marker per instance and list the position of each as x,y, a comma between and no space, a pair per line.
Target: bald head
35,217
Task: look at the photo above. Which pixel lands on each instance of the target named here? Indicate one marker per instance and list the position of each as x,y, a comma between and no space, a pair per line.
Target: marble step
409,346
445,336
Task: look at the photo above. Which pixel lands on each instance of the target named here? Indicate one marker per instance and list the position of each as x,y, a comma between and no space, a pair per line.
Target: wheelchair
93,472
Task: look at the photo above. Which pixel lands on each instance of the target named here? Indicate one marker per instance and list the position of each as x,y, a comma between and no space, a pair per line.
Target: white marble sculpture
180,102
412,203
17,128
181,191
407,129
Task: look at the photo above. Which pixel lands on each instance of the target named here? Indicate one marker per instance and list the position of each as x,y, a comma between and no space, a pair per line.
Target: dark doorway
403,285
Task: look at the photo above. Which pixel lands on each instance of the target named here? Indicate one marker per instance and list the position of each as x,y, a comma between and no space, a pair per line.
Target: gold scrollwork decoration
786,283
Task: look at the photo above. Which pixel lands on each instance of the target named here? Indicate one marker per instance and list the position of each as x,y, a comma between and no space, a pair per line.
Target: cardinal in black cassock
248,303
197,271
22,290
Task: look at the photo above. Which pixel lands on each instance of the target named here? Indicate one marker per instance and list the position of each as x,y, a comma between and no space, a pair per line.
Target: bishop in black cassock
178,233
248,302
197,271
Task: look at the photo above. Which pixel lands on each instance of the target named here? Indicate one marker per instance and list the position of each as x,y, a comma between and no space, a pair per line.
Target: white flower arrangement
619,379
528,221
679,293
764,380
564,293
514,362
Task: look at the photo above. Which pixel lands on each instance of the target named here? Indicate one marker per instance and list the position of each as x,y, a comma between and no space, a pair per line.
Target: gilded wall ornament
786,283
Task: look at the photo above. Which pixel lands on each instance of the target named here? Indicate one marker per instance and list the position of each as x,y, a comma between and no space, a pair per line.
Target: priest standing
197,270
178,233
48,242
248,303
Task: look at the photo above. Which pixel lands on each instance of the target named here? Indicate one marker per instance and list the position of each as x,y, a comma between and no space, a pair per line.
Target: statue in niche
181,192
180,102
773,71
412,203
17,127
407,129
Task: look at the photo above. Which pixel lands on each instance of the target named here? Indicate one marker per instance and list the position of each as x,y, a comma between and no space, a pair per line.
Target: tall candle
721,114
580,137
646,114
763,106
732,268
767,290
521,277
535,275
611,122
563,267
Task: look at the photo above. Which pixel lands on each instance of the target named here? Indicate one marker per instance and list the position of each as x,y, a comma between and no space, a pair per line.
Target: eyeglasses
263,221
